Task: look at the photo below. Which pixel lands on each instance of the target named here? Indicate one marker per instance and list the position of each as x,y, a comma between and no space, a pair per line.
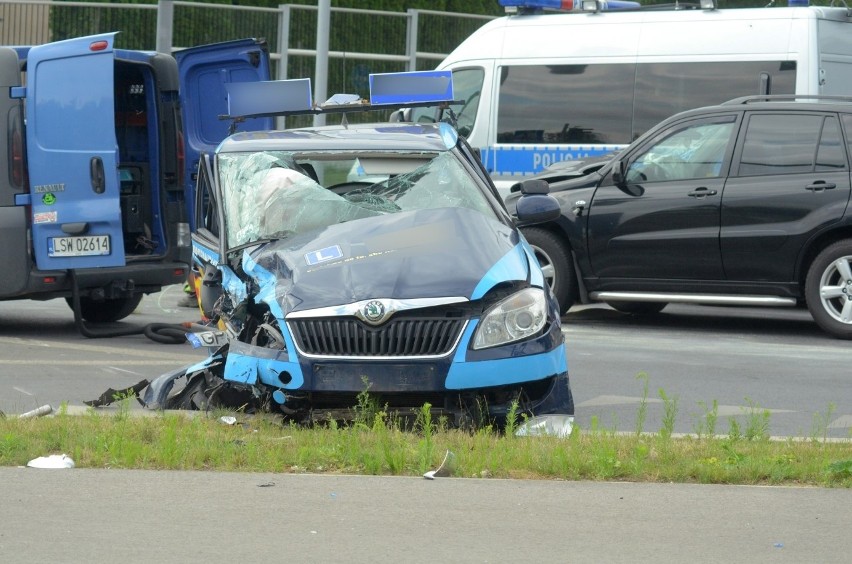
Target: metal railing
385,41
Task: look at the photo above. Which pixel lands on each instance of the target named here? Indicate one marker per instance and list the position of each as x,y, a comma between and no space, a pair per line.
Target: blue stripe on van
521,160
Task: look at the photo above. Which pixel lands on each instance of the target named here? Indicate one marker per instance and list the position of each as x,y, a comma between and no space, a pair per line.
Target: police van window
467,86
565,104
694,151
780,144
664,89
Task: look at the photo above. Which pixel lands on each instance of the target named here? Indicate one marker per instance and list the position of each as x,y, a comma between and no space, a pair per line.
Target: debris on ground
37,412
54,461
446,468
112,395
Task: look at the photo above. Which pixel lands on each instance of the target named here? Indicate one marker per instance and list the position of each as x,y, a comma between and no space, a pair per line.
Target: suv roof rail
786,98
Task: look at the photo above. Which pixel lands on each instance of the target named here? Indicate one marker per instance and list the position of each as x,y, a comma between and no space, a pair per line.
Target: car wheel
105,311
638,308
556,265
828,289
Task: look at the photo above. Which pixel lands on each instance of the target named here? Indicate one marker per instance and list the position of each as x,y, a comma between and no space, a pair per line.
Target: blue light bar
570,5
543,4
269,97
411,87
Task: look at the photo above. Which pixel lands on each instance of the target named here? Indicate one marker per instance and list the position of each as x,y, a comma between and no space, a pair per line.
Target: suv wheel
638,308
556,265
828,289
105,311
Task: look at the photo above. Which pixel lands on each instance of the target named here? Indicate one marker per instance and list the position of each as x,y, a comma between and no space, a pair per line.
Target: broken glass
269,195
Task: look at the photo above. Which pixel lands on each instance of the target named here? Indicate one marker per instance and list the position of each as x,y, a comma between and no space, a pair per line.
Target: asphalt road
83,515
749,360
778,359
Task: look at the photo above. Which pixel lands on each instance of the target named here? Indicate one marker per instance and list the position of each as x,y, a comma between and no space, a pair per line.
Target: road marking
105,362
842,422
721,410
23,391
115,368
92,349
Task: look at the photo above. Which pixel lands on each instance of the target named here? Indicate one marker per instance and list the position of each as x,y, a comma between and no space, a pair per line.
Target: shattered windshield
276,194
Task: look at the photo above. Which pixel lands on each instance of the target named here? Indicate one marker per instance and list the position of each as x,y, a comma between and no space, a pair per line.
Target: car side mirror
536,208
210,290
619,173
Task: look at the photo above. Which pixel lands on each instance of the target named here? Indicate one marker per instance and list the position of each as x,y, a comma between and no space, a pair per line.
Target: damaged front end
324,363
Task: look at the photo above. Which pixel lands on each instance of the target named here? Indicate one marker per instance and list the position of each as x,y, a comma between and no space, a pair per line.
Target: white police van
542,87
93,198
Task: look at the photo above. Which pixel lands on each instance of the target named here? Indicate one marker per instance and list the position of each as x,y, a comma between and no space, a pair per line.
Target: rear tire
638,308
828,289
106,311
556,265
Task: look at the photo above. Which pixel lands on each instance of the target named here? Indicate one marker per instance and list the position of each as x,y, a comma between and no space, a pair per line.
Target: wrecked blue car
371,258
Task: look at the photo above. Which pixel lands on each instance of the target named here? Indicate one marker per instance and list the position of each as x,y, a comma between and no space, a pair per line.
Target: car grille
349,337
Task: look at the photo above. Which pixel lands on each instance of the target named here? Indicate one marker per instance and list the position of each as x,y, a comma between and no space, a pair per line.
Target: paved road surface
84,515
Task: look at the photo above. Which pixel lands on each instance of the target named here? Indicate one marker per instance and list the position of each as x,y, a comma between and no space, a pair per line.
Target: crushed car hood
419,254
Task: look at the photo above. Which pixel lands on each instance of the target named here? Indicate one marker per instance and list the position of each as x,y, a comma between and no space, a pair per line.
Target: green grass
379,444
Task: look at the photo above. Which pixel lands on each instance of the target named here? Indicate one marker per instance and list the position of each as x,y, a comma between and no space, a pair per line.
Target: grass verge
385,446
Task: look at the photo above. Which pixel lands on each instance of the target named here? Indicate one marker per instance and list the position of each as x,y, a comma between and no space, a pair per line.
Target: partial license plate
86,245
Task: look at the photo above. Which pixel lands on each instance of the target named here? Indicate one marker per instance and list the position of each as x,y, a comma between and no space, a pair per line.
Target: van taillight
19,171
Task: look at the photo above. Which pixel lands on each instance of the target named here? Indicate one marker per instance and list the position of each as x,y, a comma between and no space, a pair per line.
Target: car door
207,245
72,154
790,180
662,222
204,71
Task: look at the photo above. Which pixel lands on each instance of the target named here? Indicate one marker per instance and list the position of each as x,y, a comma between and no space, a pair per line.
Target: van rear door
72,154
14,253
204,72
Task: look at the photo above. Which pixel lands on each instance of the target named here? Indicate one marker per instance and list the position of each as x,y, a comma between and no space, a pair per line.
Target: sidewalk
82,515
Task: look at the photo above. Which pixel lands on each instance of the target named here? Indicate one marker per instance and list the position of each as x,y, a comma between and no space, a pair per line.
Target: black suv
745,203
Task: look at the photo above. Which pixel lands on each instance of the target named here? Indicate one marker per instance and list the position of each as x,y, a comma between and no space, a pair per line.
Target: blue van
96,190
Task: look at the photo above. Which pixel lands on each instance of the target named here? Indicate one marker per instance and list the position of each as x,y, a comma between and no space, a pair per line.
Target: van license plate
87,245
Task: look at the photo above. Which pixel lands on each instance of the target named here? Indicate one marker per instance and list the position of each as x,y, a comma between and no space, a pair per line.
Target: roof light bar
540,4
248,99
411,87
293,97
569,5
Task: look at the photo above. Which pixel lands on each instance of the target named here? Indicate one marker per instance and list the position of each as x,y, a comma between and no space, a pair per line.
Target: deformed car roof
355,137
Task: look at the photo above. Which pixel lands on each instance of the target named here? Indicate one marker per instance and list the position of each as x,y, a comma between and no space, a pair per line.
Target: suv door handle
702,192
820,185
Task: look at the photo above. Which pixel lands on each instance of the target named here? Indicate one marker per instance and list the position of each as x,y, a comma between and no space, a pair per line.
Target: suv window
696,150
787,144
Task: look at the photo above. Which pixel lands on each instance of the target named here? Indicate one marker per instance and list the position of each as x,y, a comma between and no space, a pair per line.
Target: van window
664,89
565,104
616,103
467,86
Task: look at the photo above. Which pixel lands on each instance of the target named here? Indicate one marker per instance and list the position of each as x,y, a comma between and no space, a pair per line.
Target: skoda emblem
374,311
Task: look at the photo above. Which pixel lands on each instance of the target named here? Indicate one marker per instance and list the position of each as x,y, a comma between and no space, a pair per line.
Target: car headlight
517,317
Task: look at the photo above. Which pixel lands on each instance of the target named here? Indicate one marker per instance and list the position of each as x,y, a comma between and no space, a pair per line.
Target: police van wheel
105,311
556,265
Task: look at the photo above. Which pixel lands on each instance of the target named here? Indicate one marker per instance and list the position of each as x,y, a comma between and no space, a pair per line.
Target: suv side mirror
619,172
